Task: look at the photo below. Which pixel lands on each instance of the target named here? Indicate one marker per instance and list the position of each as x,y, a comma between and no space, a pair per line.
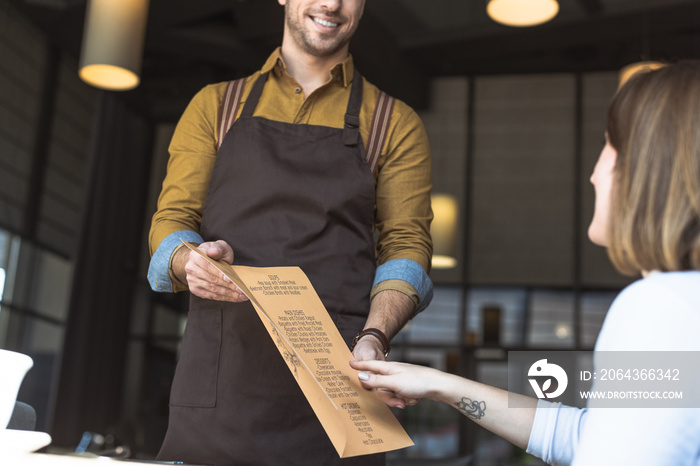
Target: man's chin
322,51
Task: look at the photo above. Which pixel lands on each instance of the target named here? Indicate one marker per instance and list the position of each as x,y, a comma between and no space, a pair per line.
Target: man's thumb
214,252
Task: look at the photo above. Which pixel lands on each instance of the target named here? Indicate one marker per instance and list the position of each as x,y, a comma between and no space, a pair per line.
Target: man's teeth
326,23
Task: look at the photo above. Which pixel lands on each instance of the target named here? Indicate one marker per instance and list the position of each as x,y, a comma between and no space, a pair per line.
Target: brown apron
281,194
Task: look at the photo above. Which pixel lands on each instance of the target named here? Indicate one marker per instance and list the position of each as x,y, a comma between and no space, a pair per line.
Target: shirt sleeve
159,270
192,155
555,432
406,276
403,183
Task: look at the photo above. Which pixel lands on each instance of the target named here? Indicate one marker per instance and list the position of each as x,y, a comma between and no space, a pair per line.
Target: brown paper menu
357,421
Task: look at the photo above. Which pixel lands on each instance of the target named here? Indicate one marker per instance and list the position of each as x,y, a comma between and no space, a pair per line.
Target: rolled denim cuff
159,268
410,272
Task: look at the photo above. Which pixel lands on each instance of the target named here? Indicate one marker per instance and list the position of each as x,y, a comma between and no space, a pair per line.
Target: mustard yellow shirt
402,179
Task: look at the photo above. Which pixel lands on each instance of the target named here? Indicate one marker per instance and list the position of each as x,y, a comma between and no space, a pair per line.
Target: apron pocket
195,381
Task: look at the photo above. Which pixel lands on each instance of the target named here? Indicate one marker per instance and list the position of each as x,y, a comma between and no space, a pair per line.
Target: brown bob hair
654,125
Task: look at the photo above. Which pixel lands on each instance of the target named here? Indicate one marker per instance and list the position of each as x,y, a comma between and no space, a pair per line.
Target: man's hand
369,348
389,311
203,279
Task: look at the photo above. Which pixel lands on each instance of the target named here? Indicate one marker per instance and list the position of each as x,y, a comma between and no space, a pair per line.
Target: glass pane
494,373
23,50
51,286
598,89
446,125
439,323
8,265
495,316
523,166
432,426
63,192
594,308
4,248
551,319
37,280
43,342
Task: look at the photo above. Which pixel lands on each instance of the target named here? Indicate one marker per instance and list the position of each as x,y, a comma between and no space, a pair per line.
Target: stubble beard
316,46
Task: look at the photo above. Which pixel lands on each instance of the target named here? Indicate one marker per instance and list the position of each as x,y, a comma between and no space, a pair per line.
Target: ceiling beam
592,7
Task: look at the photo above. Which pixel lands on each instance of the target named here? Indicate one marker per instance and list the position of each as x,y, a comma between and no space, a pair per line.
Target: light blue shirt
406,270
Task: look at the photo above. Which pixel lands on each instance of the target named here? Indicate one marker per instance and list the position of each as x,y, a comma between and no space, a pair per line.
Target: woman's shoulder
660,312
682,288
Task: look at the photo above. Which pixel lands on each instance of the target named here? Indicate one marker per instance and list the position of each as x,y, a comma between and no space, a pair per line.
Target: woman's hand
408,382
370,348
485,405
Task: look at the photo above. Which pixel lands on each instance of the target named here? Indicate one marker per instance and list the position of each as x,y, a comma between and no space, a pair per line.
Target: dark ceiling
399,46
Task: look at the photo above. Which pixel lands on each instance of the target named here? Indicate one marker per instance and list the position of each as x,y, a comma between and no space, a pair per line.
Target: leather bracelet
375,333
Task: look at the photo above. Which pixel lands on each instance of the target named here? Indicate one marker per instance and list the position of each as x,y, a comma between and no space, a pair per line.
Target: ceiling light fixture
640,67
112,46
522,13
443,230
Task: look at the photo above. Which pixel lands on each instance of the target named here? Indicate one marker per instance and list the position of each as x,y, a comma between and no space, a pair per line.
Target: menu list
356,420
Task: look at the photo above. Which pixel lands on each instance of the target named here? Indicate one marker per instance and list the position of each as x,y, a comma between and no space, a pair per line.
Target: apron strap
255,93
379,128
232,100
351,131
229,107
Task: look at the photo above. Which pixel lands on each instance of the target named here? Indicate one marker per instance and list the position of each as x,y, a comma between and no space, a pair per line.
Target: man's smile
323,22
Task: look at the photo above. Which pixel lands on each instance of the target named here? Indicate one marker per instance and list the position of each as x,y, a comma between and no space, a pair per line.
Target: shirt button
297,90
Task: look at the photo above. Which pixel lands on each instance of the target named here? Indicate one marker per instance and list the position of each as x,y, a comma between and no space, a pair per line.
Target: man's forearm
177,264
389,312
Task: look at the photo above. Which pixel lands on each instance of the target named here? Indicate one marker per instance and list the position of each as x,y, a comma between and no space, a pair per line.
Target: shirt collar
345,69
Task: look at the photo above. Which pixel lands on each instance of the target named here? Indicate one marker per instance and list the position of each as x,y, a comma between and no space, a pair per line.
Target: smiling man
329,35
302,164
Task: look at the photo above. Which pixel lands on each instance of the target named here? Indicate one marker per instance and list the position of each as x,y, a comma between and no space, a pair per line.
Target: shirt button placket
304,112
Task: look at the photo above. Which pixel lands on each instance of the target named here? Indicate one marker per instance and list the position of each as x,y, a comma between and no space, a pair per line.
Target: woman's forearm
488,407
485,405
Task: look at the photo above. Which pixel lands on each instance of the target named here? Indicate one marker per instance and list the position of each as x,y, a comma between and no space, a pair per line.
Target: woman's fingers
373,365
399,380
391,398
387,379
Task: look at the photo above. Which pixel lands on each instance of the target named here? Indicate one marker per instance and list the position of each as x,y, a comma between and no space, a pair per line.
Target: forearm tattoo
471,408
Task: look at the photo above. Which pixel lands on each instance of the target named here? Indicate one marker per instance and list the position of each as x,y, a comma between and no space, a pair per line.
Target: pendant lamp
112,46
443,229
522,13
